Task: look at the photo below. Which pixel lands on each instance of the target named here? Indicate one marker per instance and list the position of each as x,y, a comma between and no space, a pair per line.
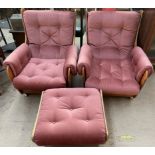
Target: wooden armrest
84,74
9,72
144,78
69,77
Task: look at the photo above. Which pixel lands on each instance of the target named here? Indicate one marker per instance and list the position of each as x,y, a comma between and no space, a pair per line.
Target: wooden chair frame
104,115
144,78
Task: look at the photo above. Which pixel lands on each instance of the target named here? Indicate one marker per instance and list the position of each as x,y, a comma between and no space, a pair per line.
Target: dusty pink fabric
41,74
18,59
115,77
85,59
111,61
140,62
49,27
113,29
70,117
43,62
49,52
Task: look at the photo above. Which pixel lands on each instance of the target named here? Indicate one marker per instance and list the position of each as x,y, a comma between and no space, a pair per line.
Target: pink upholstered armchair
110,60
48,57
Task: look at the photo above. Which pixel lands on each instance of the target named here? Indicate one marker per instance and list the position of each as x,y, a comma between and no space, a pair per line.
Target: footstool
70,116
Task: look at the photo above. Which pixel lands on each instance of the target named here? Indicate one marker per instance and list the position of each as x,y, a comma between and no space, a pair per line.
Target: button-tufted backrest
114,29
48,28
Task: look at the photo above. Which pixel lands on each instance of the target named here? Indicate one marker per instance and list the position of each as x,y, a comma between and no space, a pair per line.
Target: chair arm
85,59
141,63
71,60
18,59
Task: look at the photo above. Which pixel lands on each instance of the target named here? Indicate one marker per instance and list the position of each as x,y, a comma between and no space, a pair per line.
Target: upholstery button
53,122
87,120
71,109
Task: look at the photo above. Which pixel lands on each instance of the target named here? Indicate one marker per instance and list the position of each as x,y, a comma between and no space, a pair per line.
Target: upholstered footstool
70,116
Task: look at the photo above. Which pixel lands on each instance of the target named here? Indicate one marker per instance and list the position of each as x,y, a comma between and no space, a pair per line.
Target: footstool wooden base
70,116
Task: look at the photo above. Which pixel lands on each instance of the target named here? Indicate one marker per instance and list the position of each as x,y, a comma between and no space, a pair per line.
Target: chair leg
26,95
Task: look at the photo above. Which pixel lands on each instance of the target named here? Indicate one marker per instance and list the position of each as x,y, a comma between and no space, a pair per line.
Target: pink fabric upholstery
141,63
49,52
49,27
115,77
70,117
110,59
18,59
43,62
41,74
113,29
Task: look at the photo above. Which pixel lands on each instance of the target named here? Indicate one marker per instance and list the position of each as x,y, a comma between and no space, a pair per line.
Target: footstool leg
107,134
26,95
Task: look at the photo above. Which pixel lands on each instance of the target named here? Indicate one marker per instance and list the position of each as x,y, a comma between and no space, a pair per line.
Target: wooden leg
69,77
26,95
107,134
83,75
132,97
144,78
9,73
34,128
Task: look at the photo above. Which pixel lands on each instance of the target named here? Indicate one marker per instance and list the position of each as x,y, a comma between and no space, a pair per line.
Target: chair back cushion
48,29
113,29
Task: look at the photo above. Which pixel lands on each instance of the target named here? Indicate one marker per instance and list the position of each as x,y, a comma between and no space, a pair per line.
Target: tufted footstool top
70,116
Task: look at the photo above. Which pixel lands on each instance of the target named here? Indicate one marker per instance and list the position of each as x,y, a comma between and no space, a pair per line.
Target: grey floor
131,122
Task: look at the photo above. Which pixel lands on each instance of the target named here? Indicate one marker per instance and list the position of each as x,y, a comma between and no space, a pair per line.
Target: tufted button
71,109
37,63
57,95
29,76
44,68
53,76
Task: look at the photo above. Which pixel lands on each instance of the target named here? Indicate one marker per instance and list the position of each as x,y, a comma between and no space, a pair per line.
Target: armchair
48,57
110,60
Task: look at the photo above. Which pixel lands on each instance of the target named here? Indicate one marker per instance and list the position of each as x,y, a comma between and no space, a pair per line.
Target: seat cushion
114,77
41,74
70,116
